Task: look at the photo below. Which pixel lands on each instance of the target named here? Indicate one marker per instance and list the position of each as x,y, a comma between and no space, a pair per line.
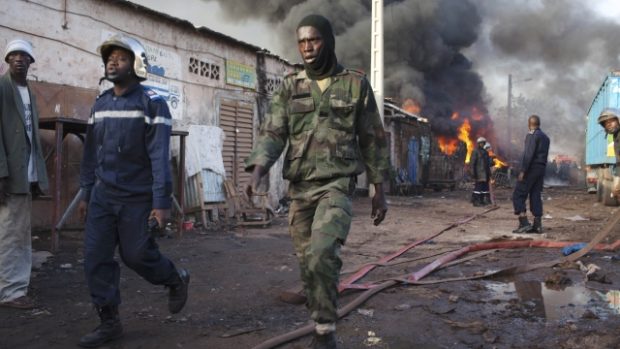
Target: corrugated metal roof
405,113
201,30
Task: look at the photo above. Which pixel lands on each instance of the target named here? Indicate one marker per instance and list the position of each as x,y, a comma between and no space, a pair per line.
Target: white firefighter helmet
140,64
487,145
481,140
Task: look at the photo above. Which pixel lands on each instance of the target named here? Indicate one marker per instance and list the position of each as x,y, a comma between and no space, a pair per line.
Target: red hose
349,281
415,277
436,264
418,275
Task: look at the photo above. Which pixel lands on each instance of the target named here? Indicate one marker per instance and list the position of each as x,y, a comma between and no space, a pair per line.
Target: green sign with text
239,74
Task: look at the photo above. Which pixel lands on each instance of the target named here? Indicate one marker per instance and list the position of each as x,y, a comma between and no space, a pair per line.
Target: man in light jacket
22,175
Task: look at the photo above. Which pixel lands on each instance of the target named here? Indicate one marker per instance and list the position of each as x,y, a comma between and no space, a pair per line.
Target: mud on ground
237,276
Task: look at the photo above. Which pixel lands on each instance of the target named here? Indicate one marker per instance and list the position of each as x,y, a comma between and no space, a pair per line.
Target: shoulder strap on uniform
356,72
147,97
150,93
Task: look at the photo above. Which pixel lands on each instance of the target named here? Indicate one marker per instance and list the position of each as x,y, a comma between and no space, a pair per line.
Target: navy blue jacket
480,163
127,147
536,150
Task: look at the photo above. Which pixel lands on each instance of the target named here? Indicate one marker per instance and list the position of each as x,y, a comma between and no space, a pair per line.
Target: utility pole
376,61
509,153
509,116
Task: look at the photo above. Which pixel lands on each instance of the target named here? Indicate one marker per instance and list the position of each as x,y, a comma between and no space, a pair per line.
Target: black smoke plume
424,41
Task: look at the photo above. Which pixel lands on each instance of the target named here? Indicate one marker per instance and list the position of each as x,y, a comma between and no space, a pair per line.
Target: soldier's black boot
177,292
109,329
537,228
475,199
325,341
524,226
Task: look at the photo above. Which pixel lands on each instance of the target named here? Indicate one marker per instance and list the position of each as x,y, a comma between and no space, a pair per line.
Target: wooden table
65,125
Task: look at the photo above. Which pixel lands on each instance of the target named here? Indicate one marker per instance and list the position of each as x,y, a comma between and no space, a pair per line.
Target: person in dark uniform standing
125,173
481,172
531,178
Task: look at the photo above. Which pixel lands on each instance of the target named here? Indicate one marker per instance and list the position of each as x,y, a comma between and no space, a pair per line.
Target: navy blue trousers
111,222
481,188
531,186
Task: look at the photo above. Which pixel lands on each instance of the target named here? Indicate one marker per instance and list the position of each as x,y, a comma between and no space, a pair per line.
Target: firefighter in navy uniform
531,178
481,170
125,173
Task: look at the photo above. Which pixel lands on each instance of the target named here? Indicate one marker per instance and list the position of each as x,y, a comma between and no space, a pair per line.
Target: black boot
475,199
524,226
109,329
537,228
325,341
177,293
481,200
487,199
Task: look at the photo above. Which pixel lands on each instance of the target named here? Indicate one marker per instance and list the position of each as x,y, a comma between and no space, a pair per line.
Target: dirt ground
237,276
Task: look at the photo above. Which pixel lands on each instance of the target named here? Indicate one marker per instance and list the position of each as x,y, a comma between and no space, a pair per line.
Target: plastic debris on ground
372,339
577,218
568,250
366,312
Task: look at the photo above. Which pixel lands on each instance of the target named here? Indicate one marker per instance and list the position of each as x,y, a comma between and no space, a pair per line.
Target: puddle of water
556,305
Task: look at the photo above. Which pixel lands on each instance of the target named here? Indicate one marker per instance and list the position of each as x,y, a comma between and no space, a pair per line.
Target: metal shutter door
236,119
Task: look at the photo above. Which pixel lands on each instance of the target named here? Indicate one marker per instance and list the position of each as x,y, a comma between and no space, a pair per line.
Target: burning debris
411,106
450,144
464,135
498,163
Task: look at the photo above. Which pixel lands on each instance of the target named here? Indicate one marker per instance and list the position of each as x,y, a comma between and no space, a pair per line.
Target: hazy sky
259,33
523,51
209,14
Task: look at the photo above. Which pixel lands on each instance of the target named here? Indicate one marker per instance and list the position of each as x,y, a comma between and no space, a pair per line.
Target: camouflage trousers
319,222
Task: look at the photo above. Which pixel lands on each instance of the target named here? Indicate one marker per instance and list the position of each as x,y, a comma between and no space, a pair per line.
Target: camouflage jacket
330,134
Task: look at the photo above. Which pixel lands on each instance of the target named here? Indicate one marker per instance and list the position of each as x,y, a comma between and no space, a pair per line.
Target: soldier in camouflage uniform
328,117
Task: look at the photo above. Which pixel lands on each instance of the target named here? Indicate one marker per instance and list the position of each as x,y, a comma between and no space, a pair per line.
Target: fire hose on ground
369,267
416,278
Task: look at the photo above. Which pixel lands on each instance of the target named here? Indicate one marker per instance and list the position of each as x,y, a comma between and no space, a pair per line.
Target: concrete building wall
188,64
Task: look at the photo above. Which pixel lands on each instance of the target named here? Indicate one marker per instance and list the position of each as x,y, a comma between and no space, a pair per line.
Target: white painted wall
65,48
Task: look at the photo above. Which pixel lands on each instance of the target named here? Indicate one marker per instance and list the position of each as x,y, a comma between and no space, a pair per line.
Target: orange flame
447,146
464,135
498,163
412,106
